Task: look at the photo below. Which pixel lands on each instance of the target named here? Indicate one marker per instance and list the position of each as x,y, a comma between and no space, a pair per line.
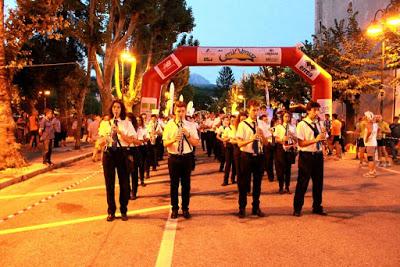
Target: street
58,219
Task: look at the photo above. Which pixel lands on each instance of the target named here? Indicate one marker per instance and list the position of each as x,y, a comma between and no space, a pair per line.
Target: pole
122,76
382,74
244,103
44,103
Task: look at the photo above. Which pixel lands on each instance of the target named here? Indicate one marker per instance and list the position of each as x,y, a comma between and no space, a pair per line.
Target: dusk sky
248,23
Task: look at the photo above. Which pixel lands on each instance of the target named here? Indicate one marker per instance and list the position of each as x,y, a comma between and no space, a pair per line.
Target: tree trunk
10,154
350,116
79,109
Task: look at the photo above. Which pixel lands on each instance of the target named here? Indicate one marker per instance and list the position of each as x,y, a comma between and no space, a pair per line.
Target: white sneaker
370,175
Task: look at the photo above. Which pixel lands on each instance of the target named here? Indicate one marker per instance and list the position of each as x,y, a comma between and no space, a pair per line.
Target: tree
225,80
28,19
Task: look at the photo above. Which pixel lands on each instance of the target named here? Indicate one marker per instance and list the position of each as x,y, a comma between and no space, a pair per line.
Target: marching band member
119,134
250,140
179,138
222,137
311,161
285,135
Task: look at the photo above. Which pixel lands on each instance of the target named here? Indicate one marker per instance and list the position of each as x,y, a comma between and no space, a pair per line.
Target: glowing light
375,30
126,56
393,21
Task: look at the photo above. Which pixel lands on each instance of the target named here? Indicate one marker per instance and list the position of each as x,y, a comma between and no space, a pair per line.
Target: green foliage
225,80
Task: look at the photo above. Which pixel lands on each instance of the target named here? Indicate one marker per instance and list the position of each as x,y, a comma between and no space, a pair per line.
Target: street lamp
377,29
44,94
127,57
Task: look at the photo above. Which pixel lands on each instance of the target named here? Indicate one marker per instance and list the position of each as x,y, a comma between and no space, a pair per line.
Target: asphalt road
59,220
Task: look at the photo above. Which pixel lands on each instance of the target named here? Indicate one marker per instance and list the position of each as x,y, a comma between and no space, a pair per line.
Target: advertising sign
308,67
239,55
168,66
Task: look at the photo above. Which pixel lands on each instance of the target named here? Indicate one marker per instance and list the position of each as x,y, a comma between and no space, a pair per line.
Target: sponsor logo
308,69
239,54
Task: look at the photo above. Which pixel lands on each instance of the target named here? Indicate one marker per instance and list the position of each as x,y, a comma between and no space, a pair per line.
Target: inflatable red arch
185,56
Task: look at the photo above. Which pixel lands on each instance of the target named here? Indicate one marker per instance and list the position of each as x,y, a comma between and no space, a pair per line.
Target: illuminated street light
393,21
375,30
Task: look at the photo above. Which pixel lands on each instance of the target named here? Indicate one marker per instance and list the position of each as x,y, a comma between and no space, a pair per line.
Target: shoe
110,217
297,213
133,197
370,175
281,191
143,184
258,212
186,214
287,191
320,212
221,170
233,182
242,214
124,217
249,194
224,184
154,169
147,175
174,214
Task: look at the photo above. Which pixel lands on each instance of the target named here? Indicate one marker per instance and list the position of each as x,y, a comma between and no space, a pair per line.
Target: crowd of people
247,146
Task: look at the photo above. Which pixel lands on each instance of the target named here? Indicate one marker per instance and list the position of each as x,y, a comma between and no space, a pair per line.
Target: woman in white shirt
119,134
222,137
285,136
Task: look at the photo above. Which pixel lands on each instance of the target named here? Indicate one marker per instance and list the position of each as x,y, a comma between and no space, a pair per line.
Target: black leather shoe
186,214
320,212
224,184
124,217
287,191
233,182
258,212
242,214
110,217
174,214
143,184
297,213
281,191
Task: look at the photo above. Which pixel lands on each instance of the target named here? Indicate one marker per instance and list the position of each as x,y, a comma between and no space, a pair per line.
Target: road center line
75,221
166,251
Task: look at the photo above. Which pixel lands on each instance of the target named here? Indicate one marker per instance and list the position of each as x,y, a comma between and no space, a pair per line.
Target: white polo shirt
171,130
280,131
305,133
125,126
245,133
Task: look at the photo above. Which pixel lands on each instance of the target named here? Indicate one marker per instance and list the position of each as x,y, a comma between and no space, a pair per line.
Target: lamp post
44,94
376,29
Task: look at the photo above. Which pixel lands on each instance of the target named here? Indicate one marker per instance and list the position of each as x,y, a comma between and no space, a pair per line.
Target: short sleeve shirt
305,133
171,130
125,126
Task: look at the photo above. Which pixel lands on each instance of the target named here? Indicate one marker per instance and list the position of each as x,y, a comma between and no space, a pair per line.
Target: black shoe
143,184
110,217
242,213
174,214
133,197
320,212
154,169
281,191
147,175
233,182
287,191
186,214
221,170
124,217
297,213
224,184
258,212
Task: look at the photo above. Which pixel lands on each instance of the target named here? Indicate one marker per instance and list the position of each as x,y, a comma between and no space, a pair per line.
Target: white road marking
166,251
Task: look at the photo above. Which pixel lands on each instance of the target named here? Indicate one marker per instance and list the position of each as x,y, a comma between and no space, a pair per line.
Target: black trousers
210,142
134,175
47,149
203,137
143,155
160,148
57,139
221,154
180,168
283,166
229,163
269,160
311,165
115,160
250,166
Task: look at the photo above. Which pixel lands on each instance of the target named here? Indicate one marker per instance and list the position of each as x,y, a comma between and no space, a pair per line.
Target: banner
168,66
308,67
244,55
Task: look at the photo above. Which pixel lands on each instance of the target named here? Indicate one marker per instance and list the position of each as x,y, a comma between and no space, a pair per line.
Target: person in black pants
250,140
311,162
119,134
180,136
285,135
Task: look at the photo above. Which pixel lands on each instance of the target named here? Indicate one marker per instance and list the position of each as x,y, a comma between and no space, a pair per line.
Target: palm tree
10,155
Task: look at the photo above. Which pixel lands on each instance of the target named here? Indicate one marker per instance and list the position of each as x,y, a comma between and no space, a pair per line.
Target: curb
27,176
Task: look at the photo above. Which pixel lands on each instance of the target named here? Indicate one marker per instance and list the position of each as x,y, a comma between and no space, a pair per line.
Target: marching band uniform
114,158
311,165
230,166
283,160
180,162
251,158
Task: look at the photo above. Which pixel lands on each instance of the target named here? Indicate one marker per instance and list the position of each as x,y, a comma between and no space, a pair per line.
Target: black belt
180,156
311,153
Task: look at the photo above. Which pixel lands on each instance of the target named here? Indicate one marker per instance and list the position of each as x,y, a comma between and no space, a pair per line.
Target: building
326,11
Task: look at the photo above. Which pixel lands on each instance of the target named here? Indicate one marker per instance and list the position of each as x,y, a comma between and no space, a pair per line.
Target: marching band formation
247,146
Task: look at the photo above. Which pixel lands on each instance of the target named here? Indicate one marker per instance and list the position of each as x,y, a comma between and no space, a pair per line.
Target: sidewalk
61,157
